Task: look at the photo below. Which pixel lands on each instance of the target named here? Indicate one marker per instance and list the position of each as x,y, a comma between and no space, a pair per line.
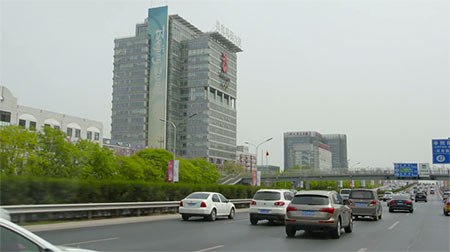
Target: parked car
421,197
447,207
387,196
209,205
344,193
318,210
269,204
364,202
401,202
16,238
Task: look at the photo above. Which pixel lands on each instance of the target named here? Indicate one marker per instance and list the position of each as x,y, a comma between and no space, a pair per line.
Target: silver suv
269,204
364,202
318,210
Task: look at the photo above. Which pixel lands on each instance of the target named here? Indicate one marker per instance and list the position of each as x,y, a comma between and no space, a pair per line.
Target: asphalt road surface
427,229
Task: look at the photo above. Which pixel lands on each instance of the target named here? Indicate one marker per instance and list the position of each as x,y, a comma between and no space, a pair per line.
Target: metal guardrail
30,213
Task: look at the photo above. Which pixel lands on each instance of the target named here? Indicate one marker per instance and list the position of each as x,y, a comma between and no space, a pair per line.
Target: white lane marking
393,225
92,241
362,250
208,249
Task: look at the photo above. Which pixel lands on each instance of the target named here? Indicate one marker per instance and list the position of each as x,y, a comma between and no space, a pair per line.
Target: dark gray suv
364,202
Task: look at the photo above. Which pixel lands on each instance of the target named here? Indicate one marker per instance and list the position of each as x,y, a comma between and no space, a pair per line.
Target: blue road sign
406,170
441,151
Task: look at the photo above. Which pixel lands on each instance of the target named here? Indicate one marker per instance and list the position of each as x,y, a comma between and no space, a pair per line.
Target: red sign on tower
224,62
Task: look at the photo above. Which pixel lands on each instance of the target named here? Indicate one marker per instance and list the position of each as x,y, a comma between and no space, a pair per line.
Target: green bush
17,190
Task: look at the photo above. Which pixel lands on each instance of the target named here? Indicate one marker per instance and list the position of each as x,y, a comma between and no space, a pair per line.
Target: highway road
427,229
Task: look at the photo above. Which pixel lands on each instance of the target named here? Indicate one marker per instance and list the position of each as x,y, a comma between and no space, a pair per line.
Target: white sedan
209,205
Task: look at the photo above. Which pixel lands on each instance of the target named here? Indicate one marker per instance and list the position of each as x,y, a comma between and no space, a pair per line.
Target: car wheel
411,210
290,231
336,233
253,221
415,200
349,228
381,215
375,218
185,217
213,215
232,213
445,213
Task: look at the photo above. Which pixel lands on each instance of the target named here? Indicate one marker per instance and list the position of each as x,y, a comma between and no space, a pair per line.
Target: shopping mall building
173,75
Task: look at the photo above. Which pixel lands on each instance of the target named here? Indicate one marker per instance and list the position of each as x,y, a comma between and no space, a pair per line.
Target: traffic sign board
405,170
441,151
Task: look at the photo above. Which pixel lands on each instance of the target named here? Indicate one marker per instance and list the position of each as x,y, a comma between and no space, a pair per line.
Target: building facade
306,149
338,148
269,169
199,93
30,118
245,158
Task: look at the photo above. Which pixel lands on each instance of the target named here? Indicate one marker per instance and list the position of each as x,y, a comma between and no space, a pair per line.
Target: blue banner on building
157,29
406,170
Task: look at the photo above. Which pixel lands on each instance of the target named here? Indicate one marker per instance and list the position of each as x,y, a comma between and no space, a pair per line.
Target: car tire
375,218
253,221
415,200
185,217
381,215
349,228
232,213
336,233
445,213
411,210
213,215
290,231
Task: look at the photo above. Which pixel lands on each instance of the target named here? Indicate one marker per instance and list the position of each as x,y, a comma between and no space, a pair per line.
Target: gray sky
376,70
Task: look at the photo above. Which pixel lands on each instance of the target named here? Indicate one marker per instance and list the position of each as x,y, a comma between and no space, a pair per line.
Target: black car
401,202
421,197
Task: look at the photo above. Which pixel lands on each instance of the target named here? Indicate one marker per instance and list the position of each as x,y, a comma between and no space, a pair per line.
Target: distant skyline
376,70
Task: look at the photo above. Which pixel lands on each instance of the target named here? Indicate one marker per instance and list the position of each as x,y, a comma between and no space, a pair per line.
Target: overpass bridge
441,174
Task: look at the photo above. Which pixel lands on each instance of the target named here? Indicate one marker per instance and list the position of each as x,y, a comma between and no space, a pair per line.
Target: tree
208,171
131,168
233,168
93,161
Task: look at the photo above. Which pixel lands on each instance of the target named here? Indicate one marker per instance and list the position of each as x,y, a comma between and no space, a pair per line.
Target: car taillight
253,202
448,204
351,202
181,203
279,203
393,201
203,204
408,202
328,210
373,202
290,208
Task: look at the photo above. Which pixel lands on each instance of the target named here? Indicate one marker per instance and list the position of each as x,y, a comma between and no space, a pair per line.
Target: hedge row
17,190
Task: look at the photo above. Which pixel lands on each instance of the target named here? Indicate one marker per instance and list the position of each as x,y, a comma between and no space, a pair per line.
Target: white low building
30,118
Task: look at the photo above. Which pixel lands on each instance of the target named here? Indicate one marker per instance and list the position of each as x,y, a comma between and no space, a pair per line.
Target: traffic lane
427,229
164,235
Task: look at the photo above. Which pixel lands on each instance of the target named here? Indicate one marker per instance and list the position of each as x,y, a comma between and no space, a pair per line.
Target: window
5,116
56,127
215,198
77,133
97,136
12,241
69,132
337,199
89,135
267,195
22,123
32,125
310,200
288,196
198,196
47,125
357,194
222,198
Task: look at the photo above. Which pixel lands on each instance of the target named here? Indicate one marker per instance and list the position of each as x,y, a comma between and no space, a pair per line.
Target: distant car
431,191
401,202
364,202
4,214
269,204
412,196
318,210
209,205
447,207
421,197
17,238
344,193
446,195
387,196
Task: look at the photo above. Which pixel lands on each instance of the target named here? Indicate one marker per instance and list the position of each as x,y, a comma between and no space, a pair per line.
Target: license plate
400,204
361,204
308,213
191,204
265,211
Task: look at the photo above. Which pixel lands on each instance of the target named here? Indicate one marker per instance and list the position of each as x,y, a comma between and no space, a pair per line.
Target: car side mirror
346,202
227,201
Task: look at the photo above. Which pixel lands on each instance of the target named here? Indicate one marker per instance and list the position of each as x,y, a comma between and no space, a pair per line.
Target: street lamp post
257,146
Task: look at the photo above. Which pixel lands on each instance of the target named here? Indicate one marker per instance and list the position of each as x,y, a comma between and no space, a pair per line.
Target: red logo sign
224,62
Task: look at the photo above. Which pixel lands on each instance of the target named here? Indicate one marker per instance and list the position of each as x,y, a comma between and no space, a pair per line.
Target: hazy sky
377,70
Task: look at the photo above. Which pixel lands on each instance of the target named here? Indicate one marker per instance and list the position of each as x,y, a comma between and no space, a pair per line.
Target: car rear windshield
361,195
400,197
310,200
345,191
267,196
198,196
